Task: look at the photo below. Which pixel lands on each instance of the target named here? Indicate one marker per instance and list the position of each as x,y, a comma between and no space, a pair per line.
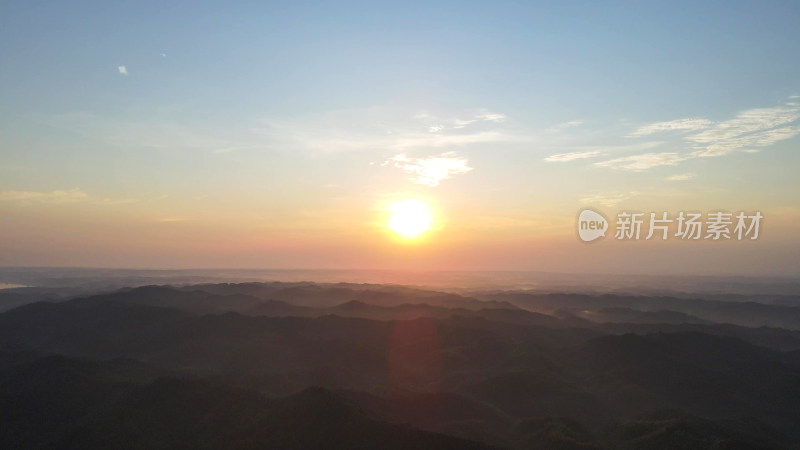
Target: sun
409,218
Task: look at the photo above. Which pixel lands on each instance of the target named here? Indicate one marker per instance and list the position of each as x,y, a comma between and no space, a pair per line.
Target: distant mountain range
304,365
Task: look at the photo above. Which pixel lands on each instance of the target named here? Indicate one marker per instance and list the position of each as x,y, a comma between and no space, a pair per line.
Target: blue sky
293,117
544,62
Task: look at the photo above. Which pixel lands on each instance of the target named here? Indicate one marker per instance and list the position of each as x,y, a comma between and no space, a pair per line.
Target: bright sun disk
409,218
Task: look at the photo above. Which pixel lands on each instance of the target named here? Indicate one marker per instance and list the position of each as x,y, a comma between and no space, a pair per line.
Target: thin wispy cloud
377,130
572,156
57,196
751,143
750,121
397,142
598,150
749,132
681,177
607,199
754,128
637,163
122,70
564,126
236,148
433,170
380,129
673,125
437,123
484,116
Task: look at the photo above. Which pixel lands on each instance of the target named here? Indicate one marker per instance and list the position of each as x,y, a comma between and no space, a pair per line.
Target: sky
279,135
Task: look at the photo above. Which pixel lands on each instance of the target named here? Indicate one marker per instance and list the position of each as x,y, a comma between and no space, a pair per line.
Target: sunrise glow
409,218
